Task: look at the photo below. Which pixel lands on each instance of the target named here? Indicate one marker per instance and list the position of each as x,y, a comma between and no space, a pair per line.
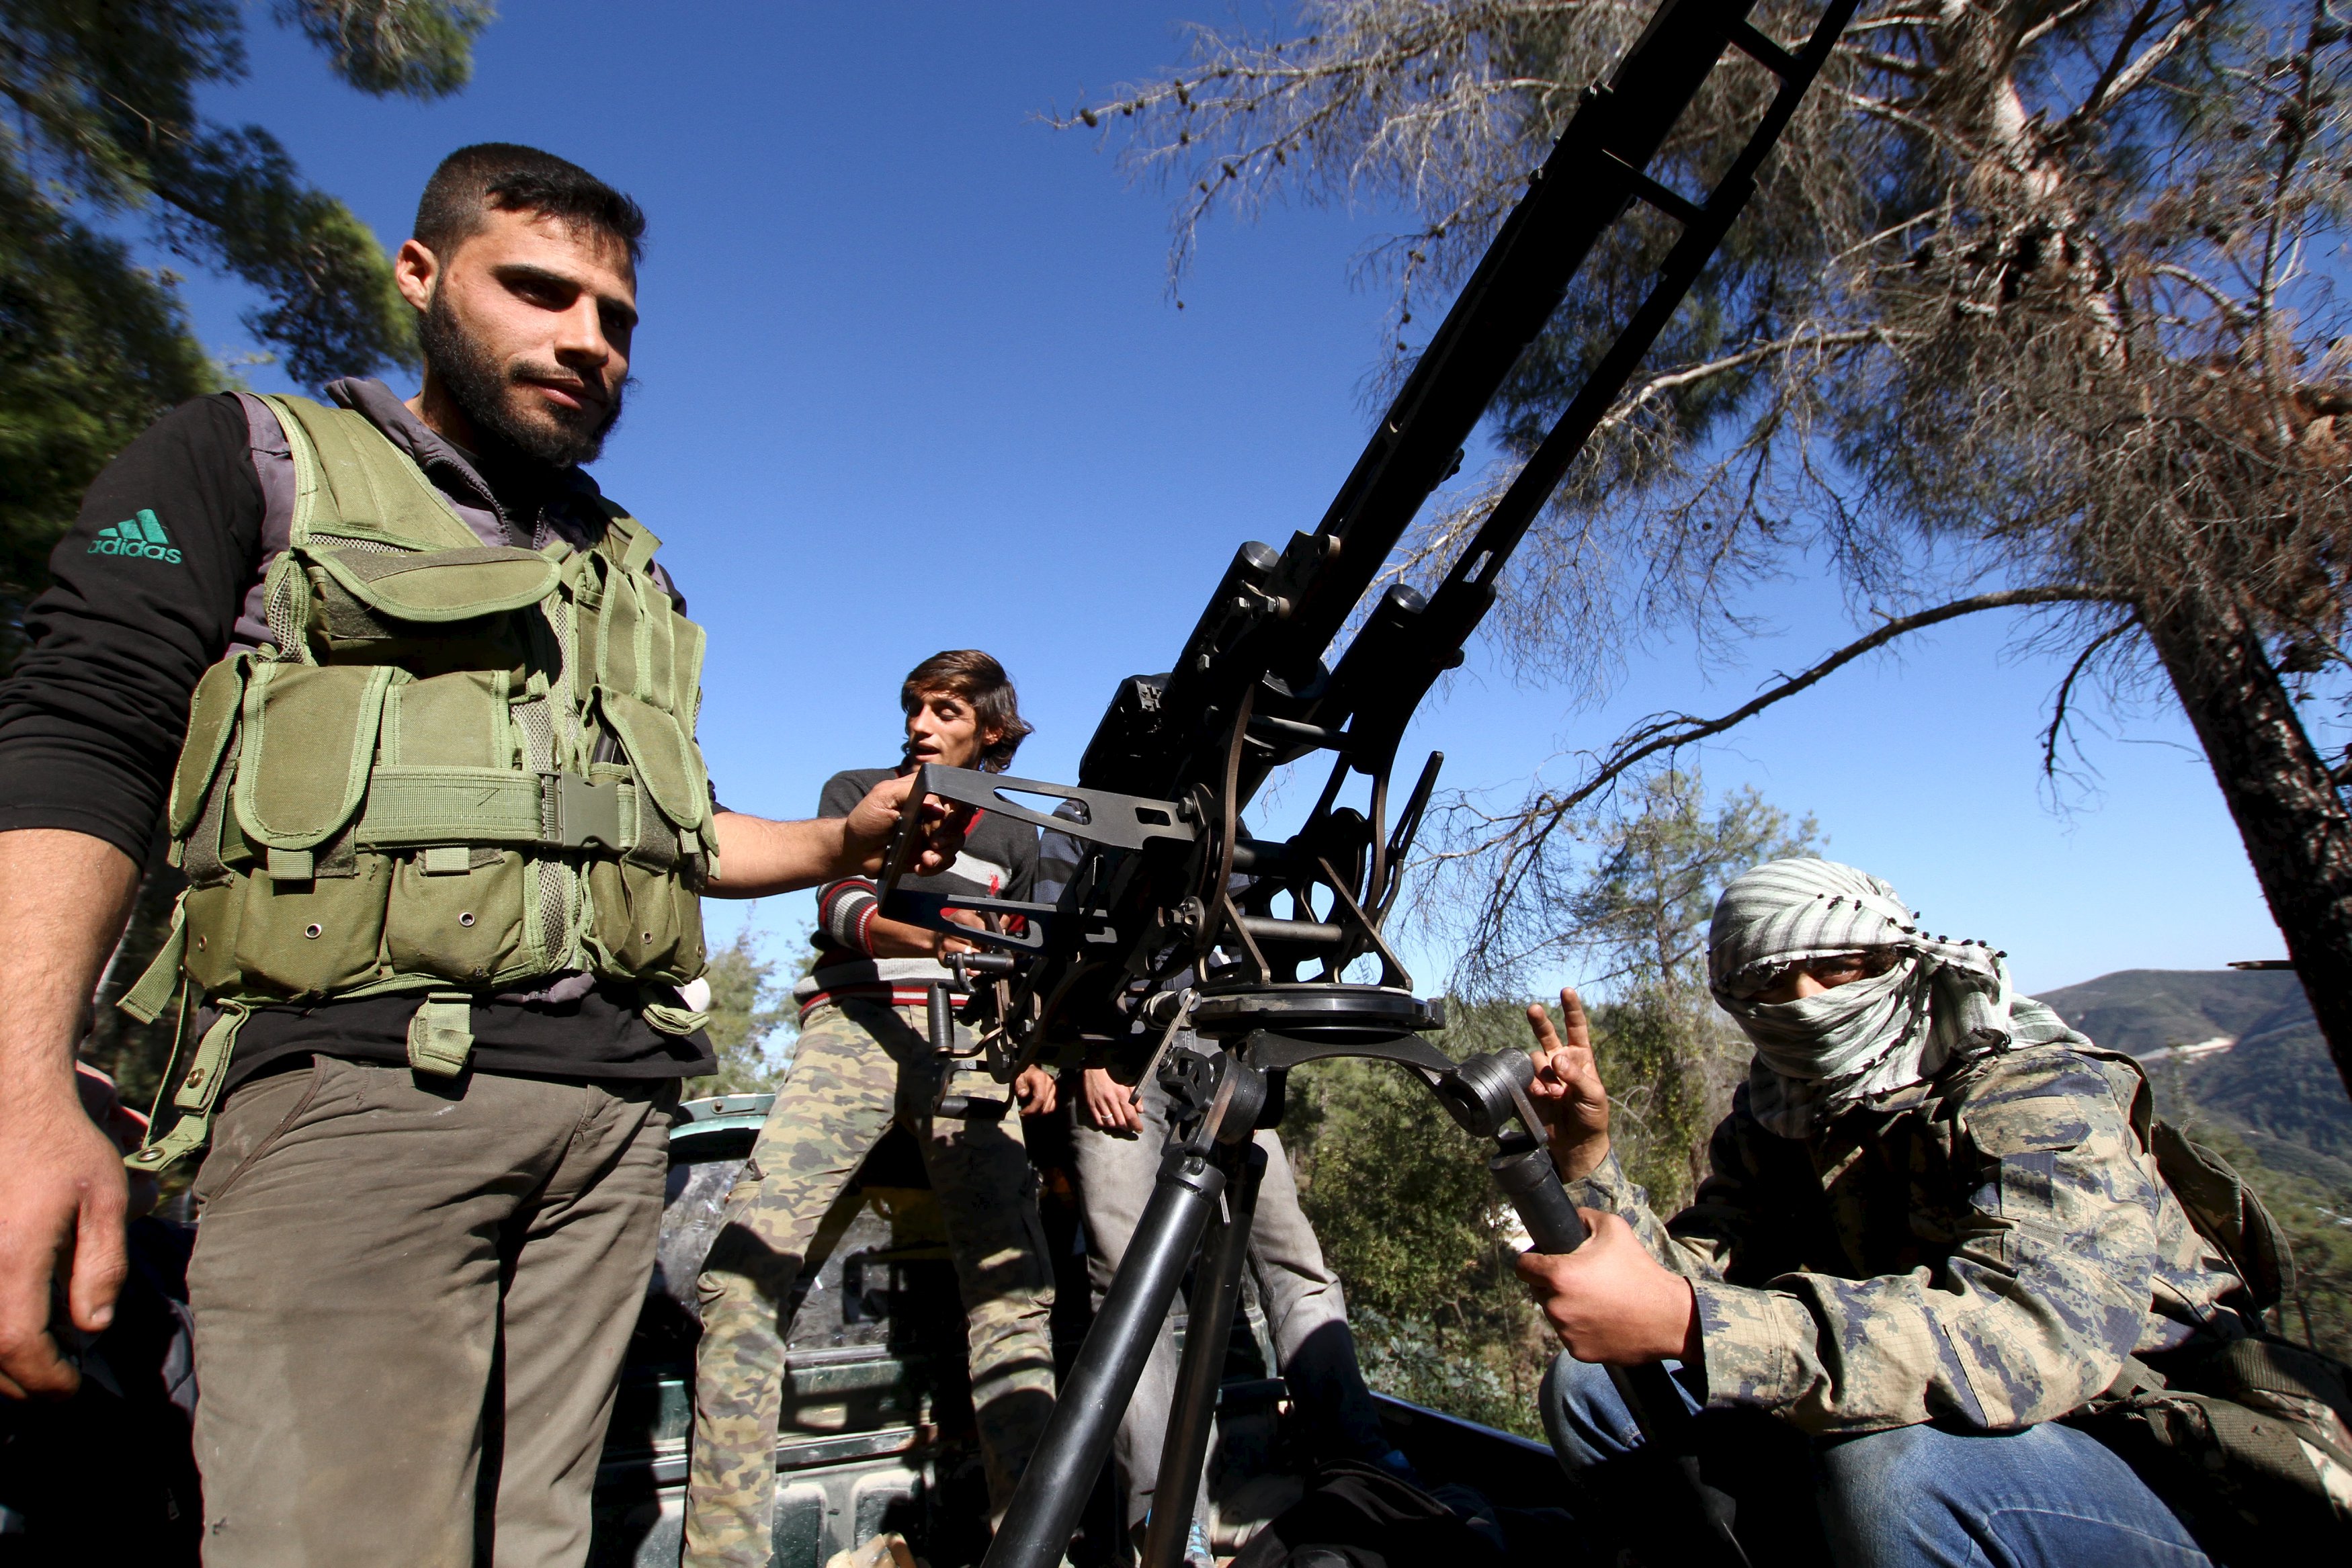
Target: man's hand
902,939
865,831
63,900
758,858
1111,1105
945,943
62,1211
1610,1302
1034,1088
1568,1091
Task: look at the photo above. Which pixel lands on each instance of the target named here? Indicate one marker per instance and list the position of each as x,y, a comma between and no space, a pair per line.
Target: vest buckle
577,813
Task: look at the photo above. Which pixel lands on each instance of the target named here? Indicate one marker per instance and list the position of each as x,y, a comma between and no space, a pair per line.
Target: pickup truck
878,1430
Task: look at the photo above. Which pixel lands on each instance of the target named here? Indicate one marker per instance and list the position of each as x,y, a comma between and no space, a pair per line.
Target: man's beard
483,390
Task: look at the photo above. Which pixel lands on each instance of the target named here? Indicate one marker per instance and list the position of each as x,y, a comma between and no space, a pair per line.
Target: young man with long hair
864,1064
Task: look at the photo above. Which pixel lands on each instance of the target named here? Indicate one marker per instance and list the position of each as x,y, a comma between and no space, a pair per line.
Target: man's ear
417,272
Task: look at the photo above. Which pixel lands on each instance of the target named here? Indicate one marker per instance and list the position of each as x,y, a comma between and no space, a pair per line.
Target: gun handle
942,1020
1524,1171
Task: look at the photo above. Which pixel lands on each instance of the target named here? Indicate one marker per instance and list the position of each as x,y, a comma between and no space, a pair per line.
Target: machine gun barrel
1275,613
1410,640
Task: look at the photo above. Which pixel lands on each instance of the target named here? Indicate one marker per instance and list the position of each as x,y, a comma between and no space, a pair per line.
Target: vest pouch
212,720
430,610
667,765
461,720
647,925
311,938
308,749
213,914
646,922
312,918
464,924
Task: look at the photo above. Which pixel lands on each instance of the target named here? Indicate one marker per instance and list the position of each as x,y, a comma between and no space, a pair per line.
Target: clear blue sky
909,380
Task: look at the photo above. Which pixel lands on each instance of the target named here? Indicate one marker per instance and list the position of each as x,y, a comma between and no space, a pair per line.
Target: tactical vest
458,767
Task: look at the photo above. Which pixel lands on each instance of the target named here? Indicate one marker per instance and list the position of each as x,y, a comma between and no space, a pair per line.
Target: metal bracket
1121,822
929,910
1217,1097
1271,1052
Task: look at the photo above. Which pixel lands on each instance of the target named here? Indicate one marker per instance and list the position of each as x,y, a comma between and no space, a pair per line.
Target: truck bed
877,1429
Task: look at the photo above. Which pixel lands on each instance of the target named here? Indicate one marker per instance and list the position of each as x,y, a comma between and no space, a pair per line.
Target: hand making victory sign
1609,1301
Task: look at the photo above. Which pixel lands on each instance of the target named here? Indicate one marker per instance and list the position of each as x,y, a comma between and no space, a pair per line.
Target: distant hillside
2274,1083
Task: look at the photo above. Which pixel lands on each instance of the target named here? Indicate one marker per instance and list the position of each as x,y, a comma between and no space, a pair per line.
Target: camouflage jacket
1984,1249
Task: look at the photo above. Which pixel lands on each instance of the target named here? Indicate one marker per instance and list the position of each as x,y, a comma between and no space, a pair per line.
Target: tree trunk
2297,830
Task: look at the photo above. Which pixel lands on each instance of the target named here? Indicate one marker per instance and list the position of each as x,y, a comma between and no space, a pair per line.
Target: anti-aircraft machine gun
1179,919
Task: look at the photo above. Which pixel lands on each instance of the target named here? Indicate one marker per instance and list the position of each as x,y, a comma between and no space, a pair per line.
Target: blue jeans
2047,1497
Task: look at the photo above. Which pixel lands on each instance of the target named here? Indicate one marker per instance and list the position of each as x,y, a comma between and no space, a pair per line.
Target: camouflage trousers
860,1066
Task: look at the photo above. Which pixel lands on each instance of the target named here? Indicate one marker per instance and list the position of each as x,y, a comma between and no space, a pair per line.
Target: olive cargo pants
411,1300
860,1066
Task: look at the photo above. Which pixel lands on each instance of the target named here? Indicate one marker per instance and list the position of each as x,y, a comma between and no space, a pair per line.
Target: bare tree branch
1672,732
2065,691
2120,80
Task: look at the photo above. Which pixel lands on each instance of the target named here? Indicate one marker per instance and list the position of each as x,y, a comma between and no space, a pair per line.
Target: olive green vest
458,767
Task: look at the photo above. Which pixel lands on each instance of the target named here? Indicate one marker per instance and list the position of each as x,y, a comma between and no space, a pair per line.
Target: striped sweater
999,861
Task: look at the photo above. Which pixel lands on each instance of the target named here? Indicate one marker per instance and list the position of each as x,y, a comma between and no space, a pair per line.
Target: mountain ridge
2274,1085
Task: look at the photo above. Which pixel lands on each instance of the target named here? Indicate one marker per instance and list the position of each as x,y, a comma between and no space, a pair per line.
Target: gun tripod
1202,1207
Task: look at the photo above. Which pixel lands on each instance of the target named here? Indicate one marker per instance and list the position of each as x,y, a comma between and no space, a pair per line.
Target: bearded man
445,828
1939,1298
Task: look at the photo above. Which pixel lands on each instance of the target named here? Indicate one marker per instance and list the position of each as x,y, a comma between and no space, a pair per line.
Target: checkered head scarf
1821,1056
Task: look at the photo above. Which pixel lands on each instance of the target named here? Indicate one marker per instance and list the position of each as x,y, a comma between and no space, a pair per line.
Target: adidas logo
141,536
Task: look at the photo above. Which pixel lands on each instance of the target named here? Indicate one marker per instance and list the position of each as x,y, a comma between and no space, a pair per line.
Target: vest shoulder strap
351,480
632,543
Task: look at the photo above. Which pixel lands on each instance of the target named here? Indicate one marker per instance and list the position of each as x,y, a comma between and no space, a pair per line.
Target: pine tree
105,139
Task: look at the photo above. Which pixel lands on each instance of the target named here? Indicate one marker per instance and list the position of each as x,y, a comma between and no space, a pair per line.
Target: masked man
1938,1247
445,828
864,1064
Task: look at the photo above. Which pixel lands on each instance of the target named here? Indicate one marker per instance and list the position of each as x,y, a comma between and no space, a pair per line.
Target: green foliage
1638,918
92,346
1669,1064
1398,1196
418,50
2315,1210
1407,1358
2319,1224
1642,907
1410,1219
748,1005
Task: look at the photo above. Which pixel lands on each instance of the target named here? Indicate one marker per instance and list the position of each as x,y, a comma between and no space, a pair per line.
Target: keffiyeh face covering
1820,1056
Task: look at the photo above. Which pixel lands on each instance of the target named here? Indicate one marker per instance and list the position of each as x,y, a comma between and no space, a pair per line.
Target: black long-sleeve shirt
149,586
91,719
